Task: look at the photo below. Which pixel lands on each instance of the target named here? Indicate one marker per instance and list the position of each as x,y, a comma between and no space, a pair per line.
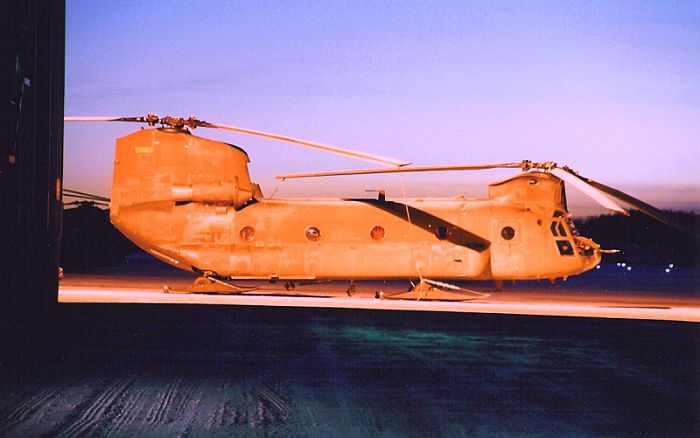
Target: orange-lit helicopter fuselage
190,202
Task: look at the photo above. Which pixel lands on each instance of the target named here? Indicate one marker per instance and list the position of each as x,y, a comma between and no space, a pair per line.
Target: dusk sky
610,88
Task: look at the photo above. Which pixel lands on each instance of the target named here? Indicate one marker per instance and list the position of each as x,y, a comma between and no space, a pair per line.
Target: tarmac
527,298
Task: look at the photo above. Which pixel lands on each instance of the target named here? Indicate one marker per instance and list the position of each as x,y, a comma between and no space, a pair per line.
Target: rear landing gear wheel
202,281
351,289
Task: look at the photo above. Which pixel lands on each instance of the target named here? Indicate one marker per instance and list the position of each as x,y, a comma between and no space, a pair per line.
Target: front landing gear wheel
289,286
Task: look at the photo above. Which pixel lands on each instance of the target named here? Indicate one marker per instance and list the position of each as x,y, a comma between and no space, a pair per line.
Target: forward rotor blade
336,150
587,189
640,205
404,170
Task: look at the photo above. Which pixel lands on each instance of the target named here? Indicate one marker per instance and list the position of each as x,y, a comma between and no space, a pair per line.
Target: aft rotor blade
587,189
455,167
334,149
139,119
77,194
94,203
193,122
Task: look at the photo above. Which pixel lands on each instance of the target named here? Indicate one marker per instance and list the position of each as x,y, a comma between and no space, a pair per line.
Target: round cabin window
377,233
312,233
507,233
247,233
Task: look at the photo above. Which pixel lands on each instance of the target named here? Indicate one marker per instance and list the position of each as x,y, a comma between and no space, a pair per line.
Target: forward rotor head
604,195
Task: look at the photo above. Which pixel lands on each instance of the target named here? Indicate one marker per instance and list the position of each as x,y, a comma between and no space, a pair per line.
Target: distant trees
644,240
89,239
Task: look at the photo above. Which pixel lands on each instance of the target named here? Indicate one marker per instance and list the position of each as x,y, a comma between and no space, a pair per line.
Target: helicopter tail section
158,170
154,165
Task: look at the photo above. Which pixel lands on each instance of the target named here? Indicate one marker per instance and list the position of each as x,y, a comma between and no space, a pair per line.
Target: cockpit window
553,227
558,229
565,247
562,230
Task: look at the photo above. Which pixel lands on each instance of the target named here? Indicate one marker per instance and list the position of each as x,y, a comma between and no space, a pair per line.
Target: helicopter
190,202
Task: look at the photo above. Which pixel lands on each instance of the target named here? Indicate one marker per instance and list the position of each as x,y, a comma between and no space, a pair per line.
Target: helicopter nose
590,252
591,259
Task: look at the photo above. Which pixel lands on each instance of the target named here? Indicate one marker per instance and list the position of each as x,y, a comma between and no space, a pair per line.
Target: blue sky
610,88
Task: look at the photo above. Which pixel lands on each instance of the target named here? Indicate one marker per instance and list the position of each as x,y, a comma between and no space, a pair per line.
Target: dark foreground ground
178,370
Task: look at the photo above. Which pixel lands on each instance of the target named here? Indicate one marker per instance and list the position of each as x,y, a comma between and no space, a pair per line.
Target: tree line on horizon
644,240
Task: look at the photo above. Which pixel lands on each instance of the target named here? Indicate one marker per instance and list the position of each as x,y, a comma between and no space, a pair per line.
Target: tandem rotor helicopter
190,202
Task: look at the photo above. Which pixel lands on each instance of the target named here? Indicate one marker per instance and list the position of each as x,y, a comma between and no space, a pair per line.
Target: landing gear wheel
498,285
289,286
351,289
202,281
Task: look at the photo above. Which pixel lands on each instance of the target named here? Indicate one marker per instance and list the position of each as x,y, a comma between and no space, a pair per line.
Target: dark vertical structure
32,40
